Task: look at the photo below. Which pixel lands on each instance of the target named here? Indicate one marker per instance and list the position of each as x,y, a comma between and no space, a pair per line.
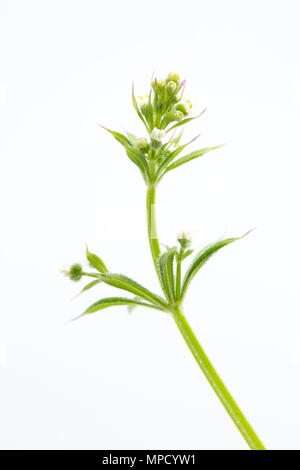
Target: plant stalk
204,363
178,277
217,384
152,231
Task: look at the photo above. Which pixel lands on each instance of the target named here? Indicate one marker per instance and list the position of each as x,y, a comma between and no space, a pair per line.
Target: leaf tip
75,318
249,231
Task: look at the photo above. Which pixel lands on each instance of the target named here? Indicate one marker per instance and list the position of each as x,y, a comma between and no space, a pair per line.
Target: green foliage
166,265
90,285
163,111
95,261
168,156
115,301
190,156
121,138
201,258
185,121
158,111
125,283
136,107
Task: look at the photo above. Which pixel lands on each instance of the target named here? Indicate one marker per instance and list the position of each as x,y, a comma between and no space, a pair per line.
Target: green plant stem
90,274
178,277
206,366
151,222
213,378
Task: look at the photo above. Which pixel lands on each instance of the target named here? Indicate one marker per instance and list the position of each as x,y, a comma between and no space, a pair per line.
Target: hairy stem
213,378
152,232
178,278
204,363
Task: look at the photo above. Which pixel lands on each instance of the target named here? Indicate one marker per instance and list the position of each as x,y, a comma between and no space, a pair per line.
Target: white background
119,381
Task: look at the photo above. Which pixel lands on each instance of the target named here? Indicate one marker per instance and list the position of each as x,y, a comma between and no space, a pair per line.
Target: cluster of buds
162,107
164,104
162,112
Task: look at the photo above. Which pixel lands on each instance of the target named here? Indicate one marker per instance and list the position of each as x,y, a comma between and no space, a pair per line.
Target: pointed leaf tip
247,233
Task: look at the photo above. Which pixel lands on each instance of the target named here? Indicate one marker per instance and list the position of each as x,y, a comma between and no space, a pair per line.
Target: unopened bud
178,115
184,239
185,107
142,143
174,76
157,83
171,86
74,272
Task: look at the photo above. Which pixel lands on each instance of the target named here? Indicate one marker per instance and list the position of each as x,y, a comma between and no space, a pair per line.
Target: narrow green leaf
166,262
90,285
149,112
138,158
136,107
171,155
96,261
190,156
204,255
87,287
114,301
134,155
131,307
185,121
187,253
118,136
132,138
123,282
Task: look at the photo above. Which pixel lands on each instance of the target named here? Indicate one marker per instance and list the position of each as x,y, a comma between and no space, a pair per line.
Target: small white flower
157,134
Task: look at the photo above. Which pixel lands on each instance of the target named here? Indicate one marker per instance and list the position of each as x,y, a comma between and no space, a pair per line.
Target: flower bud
157,135
157,83
74,272
178,115
185,107
174,76
184,239
142,143
171,86
171,117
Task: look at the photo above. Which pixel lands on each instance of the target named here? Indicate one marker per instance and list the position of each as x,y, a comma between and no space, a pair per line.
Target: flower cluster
163,107
164,104
162,111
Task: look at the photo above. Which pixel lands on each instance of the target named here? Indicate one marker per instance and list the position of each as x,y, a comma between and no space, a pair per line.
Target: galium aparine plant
164,112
